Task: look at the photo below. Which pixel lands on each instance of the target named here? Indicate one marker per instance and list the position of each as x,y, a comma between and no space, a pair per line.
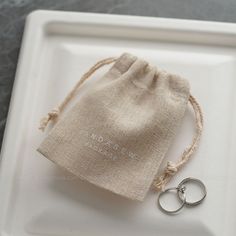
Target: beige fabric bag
118,133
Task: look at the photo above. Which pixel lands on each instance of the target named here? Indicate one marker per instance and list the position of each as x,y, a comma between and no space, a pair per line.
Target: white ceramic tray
37,198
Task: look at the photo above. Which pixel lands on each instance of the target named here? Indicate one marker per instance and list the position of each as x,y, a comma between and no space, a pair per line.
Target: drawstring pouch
119,131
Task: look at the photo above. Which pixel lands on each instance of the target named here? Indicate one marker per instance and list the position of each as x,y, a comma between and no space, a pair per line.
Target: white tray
37,198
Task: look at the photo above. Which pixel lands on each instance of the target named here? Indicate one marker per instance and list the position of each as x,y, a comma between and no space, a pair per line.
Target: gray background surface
13,13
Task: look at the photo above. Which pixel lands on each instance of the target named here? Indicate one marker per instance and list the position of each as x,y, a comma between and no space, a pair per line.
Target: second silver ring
201,186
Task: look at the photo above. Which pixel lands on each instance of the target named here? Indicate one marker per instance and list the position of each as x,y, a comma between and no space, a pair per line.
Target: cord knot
160,182
52,115
171,168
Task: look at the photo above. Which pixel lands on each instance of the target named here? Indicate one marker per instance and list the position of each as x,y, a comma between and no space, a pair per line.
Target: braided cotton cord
171,168
54,113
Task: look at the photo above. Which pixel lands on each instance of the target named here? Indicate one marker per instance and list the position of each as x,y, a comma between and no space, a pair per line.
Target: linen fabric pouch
118,133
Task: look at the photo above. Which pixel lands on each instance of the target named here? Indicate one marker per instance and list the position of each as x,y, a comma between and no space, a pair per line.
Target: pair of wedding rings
181,194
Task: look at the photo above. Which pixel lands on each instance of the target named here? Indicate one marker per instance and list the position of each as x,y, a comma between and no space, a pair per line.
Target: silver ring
182,199
200,184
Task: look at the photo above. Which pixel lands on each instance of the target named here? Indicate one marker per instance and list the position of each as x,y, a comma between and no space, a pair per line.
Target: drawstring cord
172,168
54,113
